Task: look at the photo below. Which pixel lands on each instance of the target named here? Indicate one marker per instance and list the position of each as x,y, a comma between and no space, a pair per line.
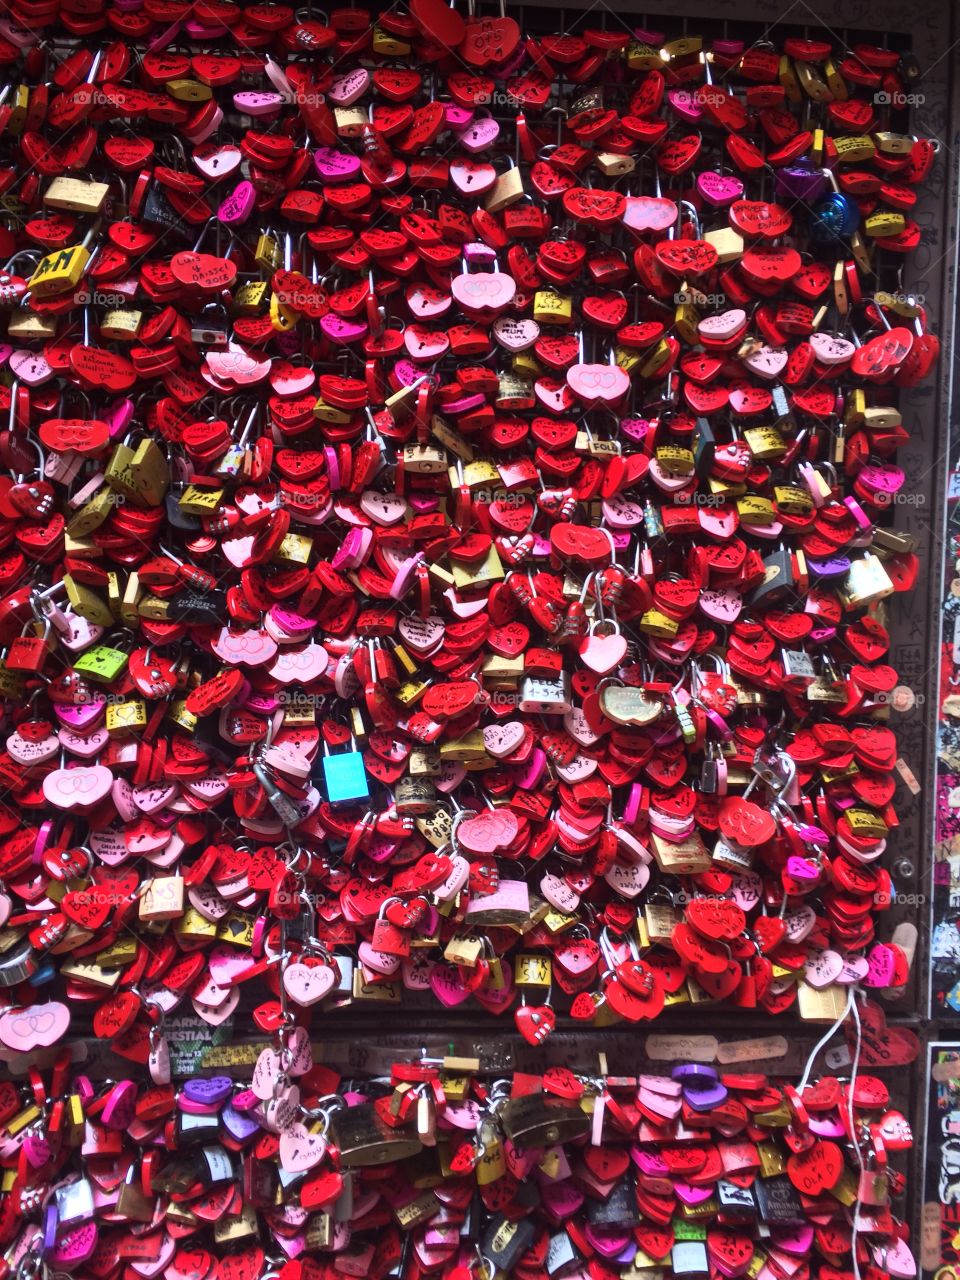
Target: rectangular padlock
75,194
345,776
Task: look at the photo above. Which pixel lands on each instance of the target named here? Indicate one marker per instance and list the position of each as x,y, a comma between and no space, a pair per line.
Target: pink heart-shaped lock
472,177
485,292
216,162
719,189
830,349
257,104
30,367
446,985
345,90
479,134
724,325
767,362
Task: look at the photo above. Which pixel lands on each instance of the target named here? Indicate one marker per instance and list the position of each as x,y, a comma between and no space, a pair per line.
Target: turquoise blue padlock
345,775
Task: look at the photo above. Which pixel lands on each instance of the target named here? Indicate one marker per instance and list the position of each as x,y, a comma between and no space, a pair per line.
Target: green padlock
102,663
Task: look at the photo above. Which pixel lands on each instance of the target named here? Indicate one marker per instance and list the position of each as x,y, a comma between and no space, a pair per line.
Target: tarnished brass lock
507,190
423,459
415,795
362,1138
530,1121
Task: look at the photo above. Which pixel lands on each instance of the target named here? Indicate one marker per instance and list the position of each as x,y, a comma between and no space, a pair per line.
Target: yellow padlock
765,443
885,223
387,45
854,148
752,509
550,307
62,270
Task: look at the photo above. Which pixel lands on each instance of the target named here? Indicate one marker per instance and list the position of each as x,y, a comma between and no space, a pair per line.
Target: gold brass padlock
423,459
893,144
121,323
788,80
75,194
250,298
142,475
189,90
387,45
506,191
675,460
792,499
812,83
728,243
686,318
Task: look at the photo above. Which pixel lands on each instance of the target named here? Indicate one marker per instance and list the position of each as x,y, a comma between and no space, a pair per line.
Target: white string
829,1035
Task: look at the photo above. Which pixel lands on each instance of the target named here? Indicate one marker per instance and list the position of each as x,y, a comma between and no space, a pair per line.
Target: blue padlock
345,775
835,217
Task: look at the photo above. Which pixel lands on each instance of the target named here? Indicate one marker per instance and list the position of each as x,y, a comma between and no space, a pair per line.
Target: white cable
816,1049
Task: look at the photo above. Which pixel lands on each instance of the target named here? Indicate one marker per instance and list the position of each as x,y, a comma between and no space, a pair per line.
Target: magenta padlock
719,189
119,1108
335,166
879,485
456,117
685,105
238,206
342,329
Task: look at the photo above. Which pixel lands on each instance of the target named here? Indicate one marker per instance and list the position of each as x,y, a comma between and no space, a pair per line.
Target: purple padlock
799,182
835,568
209,1090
